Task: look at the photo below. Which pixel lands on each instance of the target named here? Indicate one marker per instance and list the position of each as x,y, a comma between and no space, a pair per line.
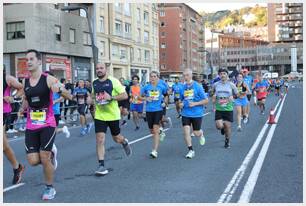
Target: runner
153,94
82,97
136,103
286,84
192,101
248,79
40,127
124,105
241,102
223,92
261,93
176,90
108,91
277,87
254,91
8,83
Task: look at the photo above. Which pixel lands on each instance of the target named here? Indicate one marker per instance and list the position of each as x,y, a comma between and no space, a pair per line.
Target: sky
213,7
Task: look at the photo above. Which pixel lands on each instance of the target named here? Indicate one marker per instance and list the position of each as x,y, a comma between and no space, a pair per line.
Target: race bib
177,95
223,102
189,94
38,117
100,99
154,95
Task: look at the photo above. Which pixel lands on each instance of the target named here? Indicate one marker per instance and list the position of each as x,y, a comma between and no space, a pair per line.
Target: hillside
248,16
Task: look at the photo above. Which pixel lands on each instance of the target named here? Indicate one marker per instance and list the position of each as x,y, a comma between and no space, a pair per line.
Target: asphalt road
171,178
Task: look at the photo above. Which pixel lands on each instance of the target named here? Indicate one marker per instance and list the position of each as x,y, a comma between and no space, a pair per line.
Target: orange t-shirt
135,93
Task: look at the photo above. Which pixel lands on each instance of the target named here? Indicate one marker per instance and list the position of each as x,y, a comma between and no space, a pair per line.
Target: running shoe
178,116
169,122
18,174
101,171
83,131
127,148
162,135
88,127
245,120
48,193
124,123
226,143
239,129
190,154
154,154
66,131
192,134
202,140
54,156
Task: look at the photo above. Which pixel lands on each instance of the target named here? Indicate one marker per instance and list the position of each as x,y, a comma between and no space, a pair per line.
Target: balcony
296,10
298,31
298,37
295,4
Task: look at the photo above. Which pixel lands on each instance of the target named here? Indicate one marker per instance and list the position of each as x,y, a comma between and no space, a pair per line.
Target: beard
100,75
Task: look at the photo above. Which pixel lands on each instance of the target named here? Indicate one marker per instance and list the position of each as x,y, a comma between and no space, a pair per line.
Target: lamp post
93,46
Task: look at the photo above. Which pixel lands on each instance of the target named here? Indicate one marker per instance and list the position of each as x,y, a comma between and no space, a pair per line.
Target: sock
124,142
101,163
190,148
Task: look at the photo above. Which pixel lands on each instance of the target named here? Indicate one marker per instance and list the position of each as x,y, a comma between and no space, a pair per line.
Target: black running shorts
196,122
154,118
101,126
249,96
82,109
224,115
40,139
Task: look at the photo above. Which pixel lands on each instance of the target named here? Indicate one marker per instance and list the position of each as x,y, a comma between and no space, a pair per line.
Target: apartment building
181,34
285,22
62,38
127,38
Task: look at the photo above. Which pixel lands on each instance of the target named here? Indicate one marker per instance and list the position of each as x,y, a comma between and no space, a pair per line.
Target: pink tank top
7,106
37,119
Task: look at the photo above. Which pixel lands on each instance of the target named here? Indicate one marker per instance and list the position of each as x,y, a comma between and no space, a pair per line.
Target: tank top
40,98
241,87
7,108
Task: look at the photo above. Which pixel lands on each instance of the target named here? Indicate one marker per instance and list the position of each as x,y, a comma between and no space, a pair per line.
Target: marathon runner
286,84
124,105
82,97
108,91
136,102
40,127
248,79
261,93
192,101
223,92
241,102
176,90
153,94
277,87
8,83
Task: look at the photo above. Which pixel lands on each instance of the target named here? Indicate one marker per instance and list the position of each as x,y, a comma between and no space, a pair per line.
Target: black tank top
244,89
38,96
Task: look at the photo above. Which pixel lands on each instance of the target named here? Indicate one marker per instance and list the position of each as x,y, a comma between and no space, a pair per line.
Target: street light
201,49
93,46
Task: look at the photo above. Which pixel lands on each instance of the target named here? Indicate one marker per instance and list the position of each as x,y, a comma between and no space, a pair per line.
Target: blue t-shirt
81,95
156,92
177,88
249,81
56,106
193,93
163,83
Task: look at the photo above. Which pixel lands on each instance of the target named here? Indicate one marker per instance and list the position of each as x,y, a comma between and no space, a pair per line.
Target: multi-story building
181,34
285,22
127,38
62,38
276,57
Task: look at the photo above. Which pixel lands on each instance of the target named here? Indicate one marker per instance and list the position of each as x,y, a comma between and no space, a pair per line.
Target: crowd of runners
112,102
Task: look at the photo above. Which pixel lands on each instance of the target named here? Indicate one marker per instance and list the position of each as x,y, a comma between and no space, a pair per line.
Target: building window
101,20
163,56
138,15
147,55
132,54
162,13
139,55
118,7
163,66
86,39
138,35
127,30
115,50
163,45
102,48
123,53
57,32
162,24
163,34
127,9
146,18
72,36
15,30
118,28
146,37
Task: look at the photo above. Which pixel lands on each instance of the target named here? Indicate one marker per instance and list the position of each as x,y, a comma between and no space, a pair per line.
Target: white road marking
234,182
250,184
13,187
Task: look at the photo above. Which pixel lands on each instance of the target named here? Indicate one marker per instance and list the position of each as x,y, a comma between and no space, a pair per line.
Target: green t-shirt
223,93
107,110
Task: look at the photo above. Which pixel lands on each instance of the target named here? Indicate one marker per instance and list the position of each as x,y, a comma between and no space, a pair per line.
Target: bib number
100,99
154,95
38,118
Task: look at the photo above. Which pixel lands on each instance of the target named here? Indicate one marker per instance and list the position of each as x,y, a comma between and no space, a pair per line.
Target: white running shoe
239,129
54,158
202,140
245,120
154,154
190,154
192,134
66,131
